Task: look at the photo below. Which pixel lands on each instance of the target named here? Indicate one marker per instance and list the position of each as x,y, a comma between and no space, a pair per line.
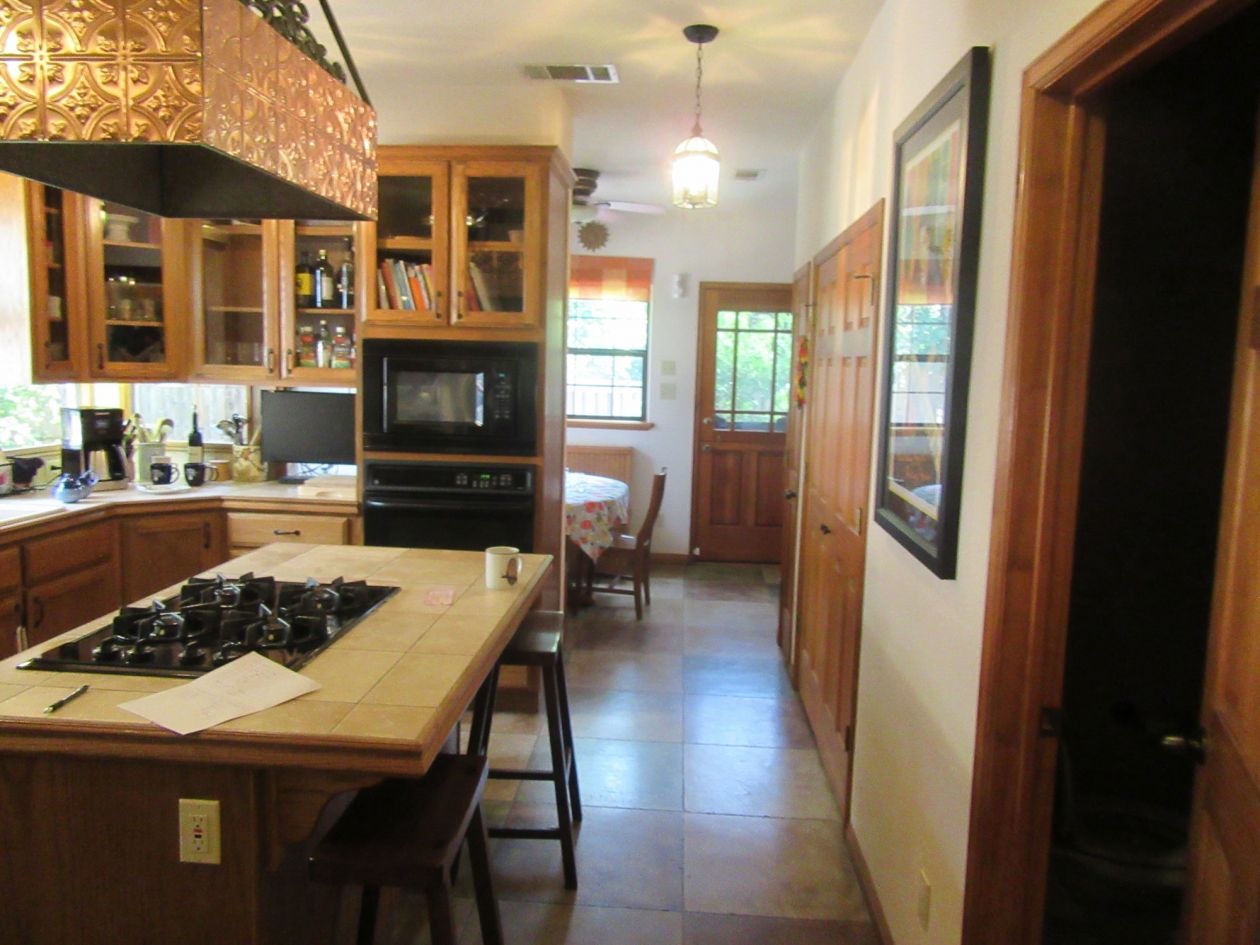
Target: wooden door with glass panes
136,288
743,390
496,243
409,283
319,331
236,301
58,334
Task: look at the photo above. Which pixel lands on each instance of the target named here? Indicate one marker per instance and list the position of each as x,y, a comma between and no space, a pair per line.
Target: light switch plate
669,391
198,831
669,368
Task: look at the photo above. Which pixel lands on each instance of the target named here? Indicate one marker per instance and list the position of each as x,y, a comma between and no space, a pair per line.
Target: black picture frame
933,253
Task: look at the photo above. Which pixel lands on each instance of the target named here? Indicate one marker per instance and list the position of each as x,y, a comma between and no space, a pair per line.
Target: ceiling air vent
605,75
749,173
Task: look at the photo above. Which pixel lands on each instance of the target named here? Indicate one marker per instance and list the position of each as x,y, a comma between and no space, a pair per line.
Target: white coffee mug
503,565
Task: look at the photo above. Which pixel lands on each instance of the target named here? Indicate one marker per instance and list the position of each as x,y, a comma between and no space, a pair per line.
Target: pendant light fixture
696,163
186,108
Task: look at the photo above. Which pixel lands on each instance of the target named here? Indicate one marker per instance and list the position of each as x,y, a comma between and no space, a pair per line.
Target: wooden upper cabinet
461,241
235,300
137,292
410,239
318,333
57,298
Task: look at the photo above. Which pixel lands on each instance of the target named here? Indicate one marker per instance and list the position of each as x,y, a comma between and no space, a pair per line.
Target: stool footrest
526,833
528,774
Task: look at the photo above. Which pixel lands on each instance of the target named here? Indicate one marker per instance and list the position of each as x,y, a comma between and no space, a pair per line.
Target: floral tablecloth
593,507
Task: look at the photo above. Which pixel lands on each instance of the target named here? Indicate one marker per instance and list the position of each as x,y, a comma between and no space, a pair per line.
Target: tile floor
708,818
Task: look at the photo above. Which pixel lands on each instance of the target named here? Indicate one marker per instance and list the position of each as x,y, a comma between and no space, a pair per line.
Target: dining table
596,508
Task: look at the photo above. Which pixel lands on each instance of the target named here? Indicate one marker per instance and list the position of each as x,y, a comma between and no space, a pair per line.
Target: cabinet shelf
127,244
415,244
324,232
495,246
235,309
133,323
325,311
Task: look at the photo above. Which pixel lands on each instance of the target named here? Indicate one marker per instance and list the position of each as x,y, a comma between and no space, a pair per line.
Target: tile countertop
392,686
38,507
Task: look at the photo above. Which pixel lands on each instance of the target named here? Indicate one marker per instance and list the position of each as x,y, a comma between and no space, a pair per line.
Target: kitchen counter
89,813
34,508
392,686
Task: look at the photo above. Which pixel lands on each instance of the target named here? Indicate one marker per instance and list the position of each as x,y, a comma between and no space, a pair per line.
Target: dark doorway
1179,148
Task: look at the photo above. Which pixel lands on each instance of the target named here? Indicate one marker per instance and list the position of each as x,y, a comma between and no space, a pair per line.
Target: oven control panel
450,478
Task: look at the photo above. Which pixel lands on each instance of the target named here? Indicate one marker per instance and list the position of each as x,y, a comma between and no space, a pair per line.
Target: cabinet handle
271,359
48,353
826,530
437,306
286,531
459,305
100,357
37,605
288,359
205,535
789,493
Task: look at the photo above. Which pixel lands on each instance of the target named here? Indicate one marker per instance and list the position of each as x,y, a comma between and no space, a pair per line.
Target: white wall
741,240
537,113
921,643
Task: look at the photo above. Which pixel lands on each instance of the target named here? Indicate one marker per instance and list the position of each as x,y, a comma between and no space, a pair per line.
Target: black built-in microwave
450,396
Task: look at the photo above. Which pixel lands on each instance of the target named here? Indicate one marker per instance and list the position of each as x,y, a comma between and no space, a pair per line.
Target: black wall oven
464,506
450,396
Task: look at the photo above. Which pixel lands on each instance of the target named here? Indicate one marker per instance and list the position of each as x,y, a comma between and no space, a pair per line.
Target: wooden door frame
1054,255
697,399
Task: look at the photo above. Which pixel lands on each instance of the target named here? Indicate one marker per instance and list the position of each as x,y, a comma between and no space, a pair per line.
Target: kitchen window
607,334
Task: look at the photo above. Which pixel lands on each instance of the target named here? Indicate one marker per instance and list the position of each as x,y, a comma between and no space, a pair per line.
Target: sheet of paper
440,596
245,685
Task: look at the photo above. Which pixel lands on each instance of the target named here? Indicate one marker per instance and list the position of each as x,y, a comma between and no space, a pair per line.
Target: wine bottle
305,290
345,278
196,451
325,288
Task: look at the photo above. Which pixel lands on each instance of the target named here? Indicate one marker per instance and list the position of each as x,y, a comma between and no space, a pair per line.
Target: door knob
707,421
789,493
706,448
1192,745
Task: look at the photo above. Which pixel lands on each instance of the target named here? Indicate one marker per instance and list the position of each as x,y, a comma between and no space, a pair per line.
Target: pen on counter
64,699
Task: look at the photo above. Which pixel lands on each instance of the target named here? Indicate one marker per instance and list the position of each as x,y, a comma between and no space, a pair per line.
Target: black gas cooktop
212,621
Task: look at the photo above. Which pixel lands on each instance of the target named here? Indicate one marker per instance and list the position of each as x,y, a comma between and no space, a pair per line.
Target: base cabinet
250,530
70,600
161,550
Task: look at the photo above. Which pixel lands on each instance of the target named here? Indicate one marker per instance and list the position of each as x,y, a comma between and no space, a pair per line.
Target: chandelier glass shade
696,164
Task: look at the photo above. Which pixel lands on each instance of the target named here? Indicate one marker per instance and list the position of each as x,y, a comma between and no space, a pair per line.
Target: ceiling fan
584,187
592,216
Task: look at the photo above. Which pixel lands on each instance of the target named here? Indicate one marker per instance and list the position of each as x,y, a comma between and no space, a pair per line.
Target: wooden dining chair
630,557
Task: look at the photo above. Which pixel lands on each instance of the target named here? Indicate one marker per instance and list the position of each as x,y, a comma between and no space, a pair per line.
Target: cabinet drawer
10,569
71,550
249,530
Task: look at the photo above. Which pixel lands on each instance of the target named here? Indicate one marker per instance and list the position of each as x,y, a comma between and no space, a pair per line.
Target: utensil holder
247,464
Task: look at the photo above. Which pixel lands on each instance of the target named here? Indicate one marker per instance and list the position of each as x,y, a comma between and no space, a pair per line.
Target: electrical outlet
925,900
198,830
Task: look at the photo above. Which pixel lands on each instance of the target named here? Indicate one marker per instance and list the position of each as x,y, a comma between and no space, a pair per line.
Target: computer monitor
307,427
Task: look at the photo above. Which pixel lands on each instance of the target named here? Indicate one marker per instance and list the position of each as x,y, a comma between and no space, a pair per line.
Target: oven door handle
459,504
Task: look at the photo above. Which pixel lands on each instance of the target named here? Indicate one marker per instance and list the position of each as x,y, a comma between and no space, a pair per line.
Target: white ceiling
767,76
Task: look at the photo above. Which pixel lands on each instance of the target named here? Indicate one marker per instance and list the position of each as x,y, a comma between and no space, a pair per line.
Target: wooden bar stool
408,834
538,643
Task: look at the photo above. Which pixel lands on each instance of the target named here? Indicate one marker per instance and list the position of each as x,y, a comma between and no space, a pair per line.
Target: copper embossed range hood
183,108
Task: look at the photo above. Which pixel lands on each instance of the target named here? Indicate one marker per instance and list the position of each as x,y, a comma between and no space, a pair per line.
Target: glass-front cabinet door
319,286
57,350
236,300
409,283
135,284
497,234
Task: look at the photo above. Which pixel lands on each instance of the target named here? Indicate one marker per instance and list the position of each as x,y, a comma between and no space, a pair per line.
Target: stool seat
408,834
538,642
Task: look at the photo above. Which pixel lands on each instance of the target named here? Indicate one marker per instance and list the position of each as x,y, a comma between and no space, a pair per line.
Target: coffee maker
92,439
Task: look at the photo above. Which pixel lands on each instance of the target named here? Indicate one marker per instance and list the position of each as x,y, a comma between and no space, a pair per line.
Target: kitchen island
89,795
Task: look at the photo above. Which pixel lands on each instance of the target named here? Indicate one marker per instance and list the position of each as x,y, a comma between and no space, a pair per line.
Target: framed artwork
938,181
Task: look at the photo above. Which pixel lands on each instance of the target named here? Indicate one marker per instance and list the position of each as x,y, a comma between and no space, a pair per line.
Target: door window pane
752,371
